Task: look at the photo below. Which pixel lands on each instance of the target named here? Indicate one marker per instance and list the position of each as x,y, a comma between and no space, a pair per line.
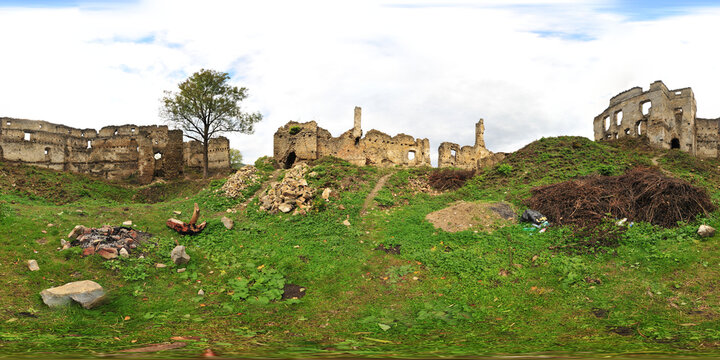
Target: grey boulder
179,256
87,293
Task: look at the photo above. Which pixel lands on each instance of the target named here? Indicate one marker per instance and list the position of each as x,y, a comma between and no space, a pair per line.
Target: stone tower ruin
666,117
468,157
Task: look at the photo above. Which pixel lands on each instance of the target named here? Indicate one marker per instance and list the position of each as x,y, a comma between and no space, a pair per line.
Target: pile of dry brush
639,195
449,179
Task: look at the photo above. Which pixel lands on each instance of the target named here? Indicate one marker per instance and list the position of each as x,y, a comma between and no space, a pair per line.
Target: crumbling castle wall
468,157
307,141
114,152
666,117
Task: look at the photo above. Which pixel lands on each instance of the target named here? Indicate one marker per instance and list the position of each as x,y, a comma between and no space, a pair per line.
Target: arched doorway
290,160
675,143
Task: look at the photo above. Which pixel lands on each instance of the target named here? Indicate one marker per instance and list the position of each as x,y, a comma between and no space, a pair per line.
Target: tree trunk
205,159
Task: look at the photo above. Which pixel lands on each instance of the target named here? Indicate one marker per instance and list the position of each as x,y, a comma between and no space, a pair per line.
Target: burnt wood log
189,228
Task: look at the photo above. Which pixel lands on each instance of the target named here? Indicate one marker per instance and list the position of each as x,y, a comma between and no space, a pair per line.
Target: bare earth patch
481,216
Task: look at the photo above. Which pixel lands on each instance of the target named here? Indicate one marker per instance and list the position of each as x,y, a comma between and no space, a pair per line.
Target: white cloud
426,68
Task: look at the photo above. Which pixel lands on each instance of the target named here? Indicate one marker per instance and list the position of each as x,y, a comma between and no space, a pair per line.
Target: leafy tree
235,159
207,106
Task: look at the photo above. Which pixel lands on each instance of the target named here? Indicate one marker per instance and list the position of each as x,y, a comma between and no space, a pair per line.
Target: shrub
294,130
505,169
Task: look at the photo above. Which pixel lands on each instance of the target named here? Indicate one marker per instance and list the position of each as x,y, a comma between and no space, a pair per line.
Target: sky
426,68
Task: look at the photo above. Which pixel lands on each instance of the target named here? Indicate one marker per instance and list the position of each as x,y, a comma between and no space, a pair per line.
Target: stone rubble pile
107,241
293,192
236,183
421,185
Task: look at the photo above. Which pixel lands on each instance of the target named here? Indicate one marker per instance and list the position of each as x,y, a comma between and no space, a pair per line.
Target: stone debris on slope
292,192
241,180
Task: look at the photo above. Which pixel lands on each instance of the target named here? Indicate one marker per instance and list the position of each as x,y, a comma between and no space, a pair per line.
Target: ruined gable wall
218,153
669,121
707,131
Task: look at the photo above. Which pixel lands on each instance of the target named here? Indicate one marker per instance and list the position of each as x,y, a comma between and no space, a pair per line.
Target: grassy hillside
435,293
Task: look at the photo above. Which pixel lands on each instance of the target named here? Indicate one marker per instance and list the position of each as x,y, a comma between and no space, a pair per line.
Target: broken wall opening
411,155
290,160
675,143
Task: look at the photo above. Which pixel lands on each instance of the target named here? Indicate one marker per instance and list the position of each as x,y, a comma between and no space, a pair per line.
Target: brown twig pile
639,195
449,179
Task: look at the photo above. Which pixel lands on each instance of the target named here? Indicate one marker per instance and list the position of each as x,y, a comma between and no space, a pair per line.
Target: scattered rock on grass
33,265
706,231
293,192
326,194
123,253
127,223
227,222
108,253
160,265
87,293
179,256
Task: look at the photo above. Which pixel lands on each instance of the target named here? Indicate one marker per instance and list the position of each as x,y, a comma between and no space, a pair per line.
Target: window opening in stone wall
116,132
639,128
411,155
27,136
645,107
678,114
453,153
8,123
137,148
82,134
158,156
627,131
47,151
618,118
88,144
675,143
132,130
606,120
615,135
357,141
40,126
678,93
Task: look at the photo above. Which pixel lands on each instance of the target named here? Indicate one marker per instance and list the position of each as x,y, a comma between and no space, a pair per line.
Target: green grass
446,294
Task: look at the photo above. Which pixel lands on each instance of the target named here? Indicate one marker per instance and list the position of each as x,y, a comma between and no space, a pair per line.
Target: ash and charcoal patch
106,240
292,291
504,210
390,249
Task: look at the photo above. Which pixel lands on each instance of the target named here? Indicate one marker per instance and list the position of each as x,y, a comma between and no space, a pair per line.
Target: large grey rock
227,222
88,293
179,256
706,231
326,194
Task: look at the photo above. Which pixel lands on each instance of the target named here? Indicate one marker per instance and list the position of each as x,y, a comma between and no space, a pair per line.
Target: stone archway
289,160
675,143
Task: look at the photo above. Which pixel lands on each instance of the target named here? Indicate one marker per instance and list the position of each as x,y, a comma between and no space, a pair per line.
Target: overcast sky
426,68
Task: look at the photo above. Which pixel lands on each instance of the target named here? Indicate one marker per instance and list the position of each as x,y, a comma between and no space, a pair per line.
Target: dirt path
373,193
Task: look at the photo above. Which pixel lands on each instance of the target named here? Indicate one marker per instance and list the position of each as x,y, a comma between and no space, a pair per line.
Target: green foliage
261,286
504,169
294,130
131,268
265,164
236,159
607,170
206,106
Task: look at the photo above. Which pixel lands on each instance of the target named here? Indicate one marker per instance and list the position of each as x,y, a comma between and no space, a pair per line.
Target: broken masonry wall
218,154
114,152
468,157
300,142
666,117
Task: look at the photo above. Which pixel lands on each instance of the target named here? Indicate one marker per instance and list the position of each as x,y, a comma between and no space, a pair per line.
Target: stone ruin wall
468,157
666,117
376,148
114,152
